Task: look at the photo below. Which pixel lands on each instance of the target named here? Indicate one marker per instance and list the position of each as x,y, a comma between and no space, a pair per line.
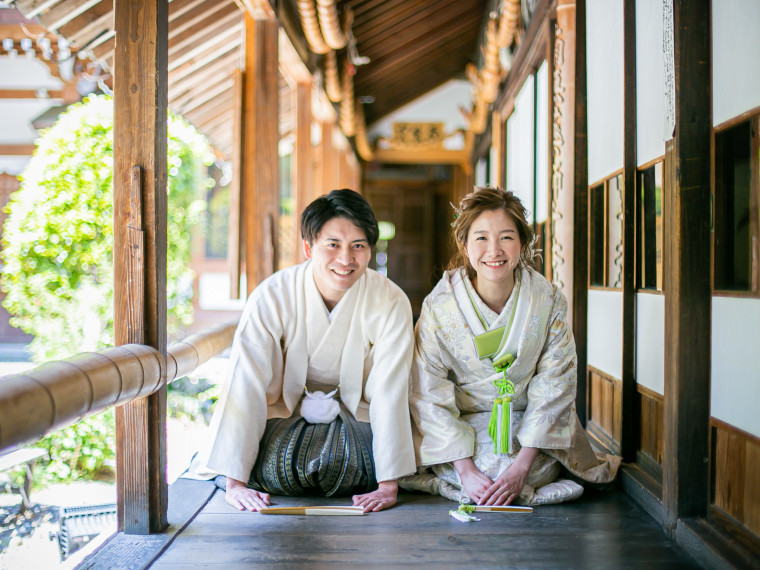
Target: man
329,323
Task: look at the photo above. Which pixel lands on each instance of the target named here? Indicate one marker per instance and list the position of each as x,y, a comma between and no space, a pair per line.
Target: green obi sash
492,344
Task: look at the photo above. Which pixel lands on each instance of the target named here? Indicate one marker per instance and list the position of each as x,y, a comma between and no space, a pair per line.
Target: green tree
58,238
58,264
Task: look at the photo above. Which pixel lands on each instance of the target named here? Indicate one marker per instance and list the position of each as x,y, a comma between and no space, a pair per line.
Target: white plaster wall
736,57
16,116
521,146
21,72
13,164
735,363
605,331
604,79
439,105
650,81
542,143
650,341
214,292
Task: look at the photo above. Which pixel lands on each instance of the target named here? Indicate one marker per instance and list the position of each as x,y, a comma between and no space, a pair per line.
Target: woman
494,373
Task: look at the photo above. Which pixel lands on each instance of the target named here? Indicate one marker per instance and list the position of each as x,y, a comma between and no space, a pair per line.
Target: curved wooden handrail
57,393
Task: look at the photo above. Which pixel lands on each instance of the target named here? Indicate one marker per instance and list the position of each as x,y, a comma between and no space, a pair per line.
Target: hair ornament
457,213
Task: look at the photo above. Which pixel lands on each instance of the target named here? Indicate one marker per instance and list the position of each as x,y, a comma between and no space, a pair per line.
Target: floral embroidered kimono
286,342
453,391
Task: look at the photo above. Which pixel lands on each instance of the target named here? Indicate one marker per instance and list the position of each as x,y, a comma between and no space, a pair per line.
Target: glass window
605,239
596,236
650,228
615,232
217,214
732,209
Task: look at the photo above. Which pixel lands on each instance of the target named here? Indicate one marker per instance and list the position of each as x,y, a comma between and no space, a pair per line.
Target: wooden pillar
569,182
235,237
687,271
628,405
140,171
327,157
303,158
260,127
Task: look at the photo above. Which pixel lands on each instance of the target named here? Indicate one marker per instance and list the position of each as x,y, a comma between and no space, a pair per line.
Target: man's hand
384,497
243,498
473,480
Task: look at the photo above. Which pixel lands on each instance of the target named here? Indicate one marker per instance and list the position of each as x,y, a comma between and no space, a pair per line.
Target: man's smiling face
339,257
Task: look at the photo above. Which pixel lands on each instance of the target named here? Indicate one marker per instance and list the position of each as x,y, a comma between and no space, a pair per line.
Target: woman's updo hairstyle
483,199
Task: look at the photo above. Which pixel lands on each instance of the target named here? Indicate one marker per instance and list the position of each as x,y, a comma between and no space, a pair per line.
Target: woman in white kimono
494,373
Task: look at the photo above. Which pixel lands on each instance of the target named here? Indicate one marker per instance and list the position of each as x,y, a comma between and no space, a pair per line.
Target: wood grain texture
651,438
629,418
140,116
261,123
734,485
605,403
303,160
686,282
57,393
600,530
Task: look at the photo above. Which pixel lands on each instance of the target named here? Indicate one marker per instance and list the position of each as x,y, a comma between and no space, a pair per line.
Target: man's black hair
343,203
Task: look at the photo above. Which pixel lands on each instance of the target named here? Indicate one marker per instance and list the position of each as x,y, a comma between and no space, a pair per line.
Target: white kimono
284,335
453,392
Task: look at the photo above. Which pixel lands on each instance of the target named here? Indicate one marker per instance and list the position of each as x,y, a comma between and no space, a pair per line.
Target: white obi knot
319,408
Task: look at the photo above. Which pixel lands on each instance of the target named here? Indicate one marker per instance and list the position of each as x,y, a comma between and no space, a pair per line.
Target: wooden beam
442,156
140,171
17,149
261,122
686,281
30,94
629,422
64,12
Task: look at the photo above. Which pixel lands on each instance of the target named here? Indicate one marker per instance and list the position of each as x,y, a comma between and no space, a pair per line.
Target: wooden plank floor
603,529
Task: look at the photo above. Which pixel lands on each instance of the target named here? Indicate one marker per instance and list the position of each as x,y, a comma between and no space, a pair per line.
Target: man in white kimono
329,323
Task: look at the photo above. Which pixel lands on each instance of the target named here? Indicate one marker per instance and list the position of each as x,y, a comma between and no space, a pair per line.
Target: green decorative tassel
498,426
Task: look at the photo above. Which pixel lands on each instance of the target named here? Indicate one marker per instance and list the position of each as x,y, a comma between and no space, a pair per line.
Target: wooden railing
36,402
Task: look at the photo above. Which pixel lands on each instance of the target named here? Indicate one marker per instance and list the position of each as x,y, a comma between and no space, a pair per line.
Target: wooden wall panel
605,407
651,439
735,487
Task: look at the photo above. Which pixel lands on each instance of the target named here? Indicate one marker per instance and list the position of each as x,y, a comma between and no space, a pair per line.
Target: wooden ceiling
413,46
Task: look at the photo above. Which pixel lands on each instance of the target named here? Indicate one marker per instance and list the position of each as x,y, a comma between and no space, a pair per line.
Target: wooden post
235,237
327,157
140,171
260,177
579,300
687,271
303,158
628,419
569,182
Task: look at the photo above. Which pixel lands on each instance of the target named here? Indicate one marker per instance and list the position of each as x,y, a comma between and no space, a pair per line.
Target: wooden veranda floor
603,529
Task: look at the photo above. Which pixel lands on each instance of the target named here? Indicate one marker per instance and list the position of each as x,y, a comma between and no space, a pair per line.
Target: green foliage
58,263
85,450
58,238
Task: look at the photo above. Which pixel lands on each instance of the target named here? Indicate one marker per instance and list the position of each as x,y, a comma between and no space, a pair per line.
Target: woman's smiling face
493,247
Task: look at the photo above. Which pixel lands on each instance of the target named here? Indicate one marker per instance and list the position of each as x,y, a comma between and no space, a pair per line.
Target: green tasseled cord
504,387
506,390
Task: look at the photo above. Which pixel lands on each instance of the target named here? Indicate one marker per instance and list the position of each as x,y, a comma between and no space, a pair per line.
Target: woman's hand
510,483
385,496
473,480
244,499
